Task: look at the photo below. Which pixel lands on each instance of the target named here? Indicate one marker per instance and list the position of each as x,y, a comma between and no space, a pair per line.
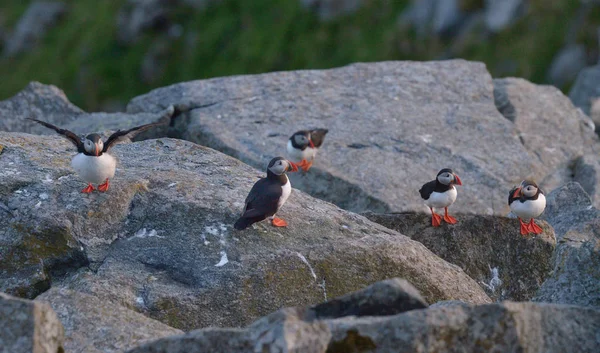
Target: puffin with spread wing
93,163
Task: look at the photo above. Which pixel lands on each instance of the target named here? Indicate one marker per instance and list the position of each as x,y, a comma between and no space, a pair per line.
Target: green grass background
82,56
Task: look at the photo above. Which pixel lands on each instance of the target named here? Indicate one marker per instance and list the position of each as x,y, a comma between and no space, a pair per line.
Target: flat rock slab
490,249
161,240
99,326
29,327
392,127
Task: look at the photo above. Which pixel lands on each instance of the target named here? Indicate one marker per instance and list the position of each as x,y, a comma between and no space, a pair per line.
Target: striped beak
517,193
457,180
292,167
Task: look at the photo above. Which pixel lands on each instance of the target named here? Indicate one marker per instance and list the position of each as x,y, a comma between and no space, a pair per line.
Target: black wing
66,133
262,199
122,134
427,189
511,199
317,136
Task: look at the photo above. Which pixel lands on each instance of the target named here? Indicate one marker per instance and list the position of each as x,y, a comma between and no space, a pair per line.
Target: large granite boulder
457,327
29,327
101,326
50,104
490,249
575,276
38,101
161,241
392,127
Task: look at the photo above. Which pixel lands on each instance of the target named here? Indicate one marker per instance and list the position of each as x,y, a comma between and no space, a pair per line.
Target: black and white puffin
303,145
93,163
527,201
441,193
268,195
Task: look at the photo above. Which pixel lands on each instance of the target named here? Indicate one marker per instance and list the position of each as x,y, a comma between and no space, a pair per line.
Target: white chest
94,169
441,199
286,190
530,208
297,155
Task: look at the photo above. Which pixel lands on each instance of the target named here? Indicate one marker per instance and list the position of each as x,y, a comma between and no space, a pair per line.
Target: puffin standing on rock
303,145
527,201
93,163
441,193
268,195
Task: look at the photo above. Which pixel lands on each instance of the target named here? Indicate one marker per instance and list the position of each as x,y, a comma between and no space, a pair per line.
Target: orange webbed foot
278,222
524,227
104,187
534,228
436,219
88,189
305,165
448,218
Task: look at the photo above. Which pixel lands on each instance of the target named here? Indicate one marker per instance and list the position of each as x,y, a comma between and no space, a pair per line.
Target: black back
263,198
435,185
432,186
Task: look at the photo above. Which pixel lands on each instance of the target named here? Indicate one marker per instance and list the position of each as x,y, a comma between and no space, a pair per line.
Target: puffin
268,195
303,145
440,193
93,163
527,201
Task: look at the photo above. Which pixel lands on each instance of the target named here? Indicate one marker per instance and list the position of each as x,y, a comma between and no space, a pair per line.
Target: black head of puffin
93,144
447,176
528,188
280,165
301,139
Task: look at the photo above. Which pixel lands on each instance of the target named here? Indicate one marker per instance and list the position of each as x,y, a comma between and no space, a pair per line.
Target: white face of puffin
445,178
93,148
529,190
280,167
301,140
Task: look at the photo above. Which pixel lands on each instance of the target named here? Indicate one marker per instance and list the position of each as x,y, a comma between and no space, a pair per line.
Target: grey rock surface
555,133
38,101
29,327
49,103
501,327
99,326
39,17
328,9
388,297
490,249
586,88
414,118
575,277
161,240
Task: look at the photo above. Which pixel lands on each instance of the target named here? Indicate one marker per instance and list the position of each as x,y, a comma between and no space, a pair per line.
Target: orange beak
293,167
517,193
311,144
97,151
457,180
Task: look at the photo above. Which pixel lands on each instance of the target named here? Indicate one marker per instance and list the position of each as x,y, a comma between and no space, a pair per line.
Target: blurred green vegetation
82,56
